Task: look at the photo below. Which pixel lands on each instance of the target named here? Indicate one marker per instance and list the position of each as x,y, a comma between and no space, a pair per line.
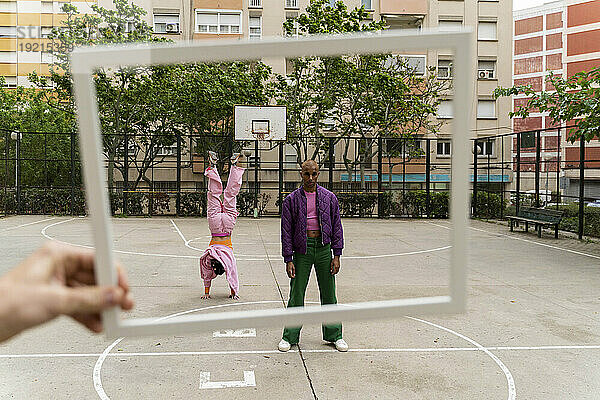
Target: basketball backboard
260,122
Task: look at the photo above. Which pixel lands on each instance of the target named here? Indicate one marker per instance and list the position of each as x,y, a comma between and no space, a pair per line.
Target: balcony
255,4
403,7
291,4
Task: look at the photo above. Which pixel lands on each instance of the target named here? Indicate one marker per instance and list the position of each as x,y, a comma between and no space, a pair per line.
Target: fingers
91,321
90,299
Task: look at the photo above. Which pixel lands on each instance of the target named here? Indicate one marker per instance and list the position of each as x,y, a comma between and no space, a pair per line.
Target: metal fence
371,177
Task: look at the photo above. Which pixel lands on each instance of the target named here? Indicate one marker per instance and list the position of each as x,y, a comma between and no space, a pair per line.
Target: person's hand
57,279
335,265
290,269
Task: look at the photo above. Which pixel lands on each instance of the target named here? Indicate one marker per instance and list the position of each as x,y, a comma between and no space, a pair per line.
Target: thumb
89,299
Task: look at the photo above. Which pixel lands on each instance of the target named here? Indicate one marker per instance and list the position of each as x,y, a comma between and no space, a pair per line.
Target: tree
575,100
206,95
359,96
45,149
124,103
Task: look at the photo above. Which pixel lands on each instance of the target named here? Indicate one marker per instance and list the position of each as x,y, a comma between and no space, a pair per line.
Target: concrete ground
531,330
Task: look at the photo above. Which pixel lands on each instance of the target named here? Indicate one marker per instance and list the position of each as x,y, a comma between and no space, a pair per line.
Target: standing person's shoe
213,158
341,345
284,345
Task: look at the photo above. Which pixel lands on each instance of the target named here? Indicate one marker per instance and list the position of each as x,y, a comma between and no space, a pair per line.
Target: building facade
562,37
215,19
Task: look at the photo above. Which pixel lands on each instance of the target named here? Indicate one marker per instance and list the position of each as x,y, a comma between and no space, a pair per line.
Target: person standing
311,229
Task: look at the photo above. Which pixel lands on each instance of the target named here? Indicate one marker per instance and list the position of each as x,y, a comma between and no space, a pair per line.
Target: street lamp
17,136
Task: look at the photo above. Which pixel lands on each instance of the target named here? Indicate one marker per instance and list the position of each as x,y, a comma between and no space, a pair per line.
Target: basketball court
530,330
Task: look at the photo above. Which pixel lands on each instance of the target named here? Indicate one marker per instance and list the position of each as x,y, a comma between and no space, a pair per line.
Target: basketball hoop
261,129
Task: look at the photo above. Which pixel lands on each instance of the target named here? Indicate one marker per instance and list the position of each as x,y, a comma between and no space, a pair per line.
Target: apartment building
491,49
562,37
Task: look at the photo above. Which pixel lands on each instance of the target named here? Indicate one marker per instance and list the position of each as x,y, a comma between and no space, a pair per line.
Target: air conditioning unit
483,74
172,28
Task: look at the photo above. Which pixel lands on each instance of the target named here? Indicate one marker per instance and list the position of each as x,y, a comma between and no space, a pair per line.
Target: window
291,3
445,109
255,27
8,6
393,147
443,148
328,124
486,109
444,69
255,4
486,69
368,4
46,32
218,22
129,26
527,140
253,162
47,7
8,57
10,81
164,186
294,18
486,147
167,150
8,31
449,25
166,23
487,31
415,63
290,156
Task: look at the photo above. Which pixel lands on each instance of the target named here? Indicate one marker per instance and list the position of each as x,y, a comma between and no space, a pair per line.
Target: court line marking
205,383
526,240
30,223
187,244
512,391
241,257
270,351
98,366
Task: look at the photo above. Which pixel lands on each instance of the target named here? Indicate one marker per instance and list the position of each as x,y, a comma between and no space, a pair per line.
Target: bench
541,217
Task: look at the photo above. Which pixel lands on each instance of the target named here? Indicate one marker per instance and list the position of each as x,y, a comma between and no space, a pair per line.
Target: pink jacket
225,255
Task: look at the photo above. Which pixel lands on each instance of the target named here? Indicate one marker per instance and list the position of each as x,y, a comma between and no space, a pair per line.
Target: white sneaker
284,345
341,345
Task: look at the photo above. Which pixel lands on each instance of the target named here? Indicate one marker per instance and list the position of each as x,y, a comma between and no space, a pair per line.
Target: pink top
312,223
225,255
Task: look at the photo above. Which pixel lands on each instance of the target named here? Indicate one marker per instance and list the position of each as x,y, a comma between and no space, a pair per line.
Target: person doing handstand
218,258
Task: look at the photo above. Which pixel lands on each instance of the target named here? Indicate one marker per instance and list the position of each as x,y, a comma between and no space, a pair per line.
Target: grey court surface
531,330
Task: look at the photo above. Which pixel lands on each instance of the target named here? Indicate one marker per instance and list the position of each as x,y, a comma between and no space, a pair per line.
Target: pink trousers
223,214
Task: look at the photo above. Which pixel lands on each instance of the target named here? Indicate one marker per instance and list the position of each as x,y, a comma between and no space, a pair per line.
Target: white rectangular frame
85,60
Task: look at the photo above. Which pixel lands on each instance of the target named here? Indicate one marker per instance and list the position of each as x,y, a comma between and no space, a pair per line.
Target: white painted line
580,253
270,351
397,254
30,223
512,391
205,383
237,333
98,368
43,232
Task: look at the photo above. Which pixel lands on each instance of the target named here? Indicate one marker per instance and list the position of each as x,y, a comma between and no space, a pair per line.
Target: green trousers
318,255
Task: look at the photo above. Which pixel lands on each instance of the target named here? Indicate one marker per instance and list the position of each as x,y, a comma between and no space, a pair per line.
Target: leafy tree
575,100
358,96
42,129
124,102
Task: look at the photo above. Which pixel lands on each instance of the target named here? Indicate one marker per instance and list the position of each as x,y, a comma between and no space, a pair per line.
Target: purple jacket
294,218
